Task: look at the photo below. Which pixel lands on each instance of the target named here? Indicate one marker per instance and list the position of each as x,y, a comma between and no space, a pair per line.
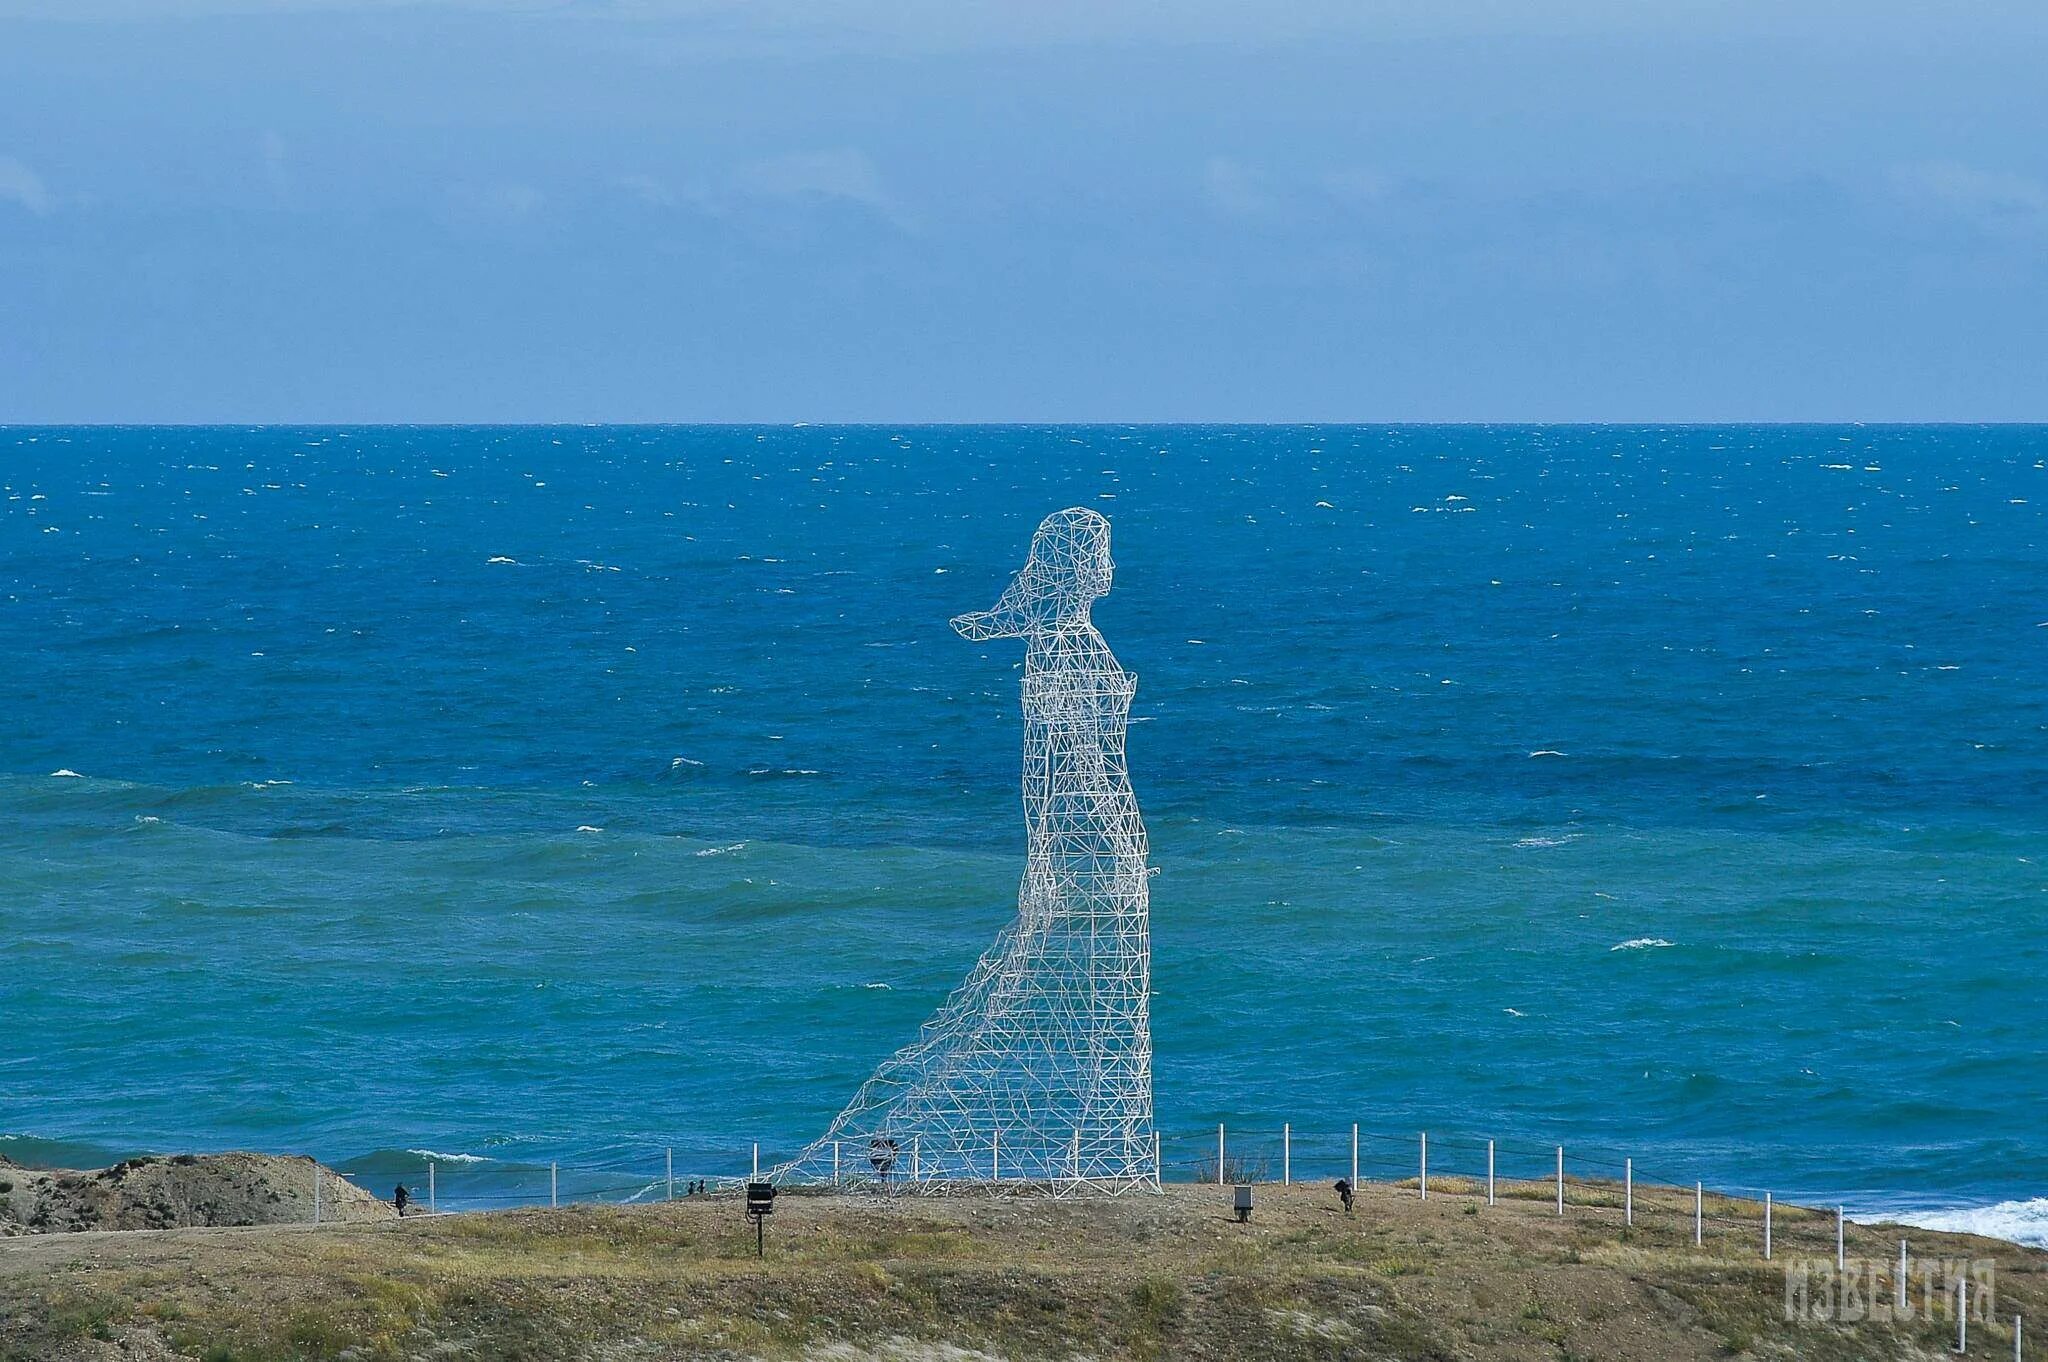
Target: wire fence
1589,1183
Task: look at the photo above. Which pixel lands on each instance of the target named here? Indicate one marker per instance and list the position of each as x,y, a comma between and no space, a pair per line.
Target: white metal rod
995,1157
835,1163
1219,1153
1698,1218
1158,1165
554,1184
916,1159
1962,1314
1424,1182
1354,1156
1489,1172
1076,1158
1628,1191
1767,1227
2018,1327
1560,1179
1899,1282
1286,1153
1841,1259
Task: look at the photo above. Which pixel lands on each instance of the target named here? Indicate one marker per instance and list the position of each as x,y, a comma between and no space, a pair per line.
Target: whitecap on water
2021,1222
66,774
449,1158
1641,943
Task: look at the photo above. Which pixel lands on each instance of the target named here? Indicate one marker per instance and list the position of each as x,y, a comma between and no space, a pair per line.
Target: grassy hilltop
977,1277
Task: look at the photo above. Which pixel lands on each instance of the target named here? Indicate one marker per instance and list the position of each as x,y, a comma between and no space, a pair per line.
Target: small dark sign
760,1198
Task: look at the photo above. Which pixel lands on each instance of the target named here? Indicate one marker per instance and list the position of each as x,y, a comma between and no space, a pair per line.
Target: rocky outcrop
159,1192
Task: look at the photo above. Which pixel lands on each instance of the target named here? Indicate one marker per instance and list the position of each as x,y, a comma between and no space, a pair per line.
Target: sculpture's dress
1039,1067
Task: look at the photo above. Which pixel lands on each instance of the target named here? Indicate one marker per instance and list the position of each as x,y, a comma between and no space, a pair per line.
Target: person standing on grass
401,1199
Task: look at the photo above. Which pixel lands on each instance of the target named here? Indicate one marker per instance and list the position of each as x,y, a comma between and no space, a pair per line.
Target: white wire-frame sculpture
1037,1071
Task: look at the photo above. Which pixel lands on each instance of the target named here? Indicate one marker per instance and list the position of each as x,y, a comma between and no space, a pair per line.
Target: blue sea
516,796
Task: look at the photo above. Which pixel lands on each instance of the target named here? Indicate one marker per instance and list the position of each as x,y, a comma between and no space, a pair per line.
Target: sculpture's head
1068,568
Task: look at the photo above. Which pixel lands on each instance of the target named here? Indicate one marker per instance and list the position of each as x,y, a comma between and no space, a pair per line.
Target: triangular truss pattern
1037,1071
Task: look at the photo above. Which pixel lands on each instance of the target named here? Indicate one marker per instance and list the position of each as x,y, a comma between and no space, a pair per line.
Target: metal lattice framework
1038,1069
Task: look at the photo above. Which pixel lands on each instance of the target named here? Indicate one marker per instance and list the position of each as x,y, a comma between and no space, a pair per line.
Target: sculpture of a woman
1039,1067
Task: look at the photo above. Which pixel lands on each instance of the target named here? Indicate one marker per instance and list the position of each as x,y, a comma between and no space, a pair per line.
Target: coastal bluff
982,1278
159,1192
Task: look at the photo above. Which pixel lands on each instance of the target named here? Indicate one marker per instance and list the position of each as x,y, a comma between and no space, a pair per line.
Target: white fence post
1560,1179
1158,1162
671,1160
995,1157
1628,1192
1076,1156
1899,1282
316,1191
1424,1180
1841,1260
1699,1198
1219,1153
835,1163
1962,1314
1489,1172
1767,1227
1286,1153
554,1184
1354,1156
2018,1327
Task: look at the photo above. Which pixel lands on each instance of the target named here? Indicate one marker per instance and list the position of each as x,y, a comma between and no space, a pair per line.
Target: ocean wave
1640,943
2021,1222
1548,841
435,1156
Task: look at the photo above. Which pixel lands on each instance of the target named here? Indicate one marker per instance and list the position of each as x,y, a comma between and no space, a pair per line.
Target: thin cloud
1235,190
20,185
1997,202
843,175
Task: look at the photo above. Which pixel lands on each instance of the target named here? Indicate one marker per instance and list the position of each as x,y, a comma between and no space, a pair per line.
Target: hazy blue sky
1045,209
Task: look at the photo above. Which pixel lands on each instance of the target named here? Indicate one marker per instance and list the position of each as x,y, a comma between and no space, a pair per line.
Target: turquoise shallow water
571,794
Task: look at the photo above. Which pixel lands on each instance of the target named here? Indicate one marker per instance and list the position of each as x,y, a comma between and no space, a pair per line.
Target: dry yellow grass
972,1277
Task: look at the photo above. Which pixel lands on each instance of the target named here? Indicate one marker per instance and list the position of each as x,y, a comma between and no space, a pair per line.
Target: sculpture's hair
1038,1069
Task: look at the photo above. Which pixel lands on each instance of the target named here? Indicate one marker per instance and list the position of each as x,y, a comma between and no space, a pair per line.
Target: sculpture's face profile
1068,569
